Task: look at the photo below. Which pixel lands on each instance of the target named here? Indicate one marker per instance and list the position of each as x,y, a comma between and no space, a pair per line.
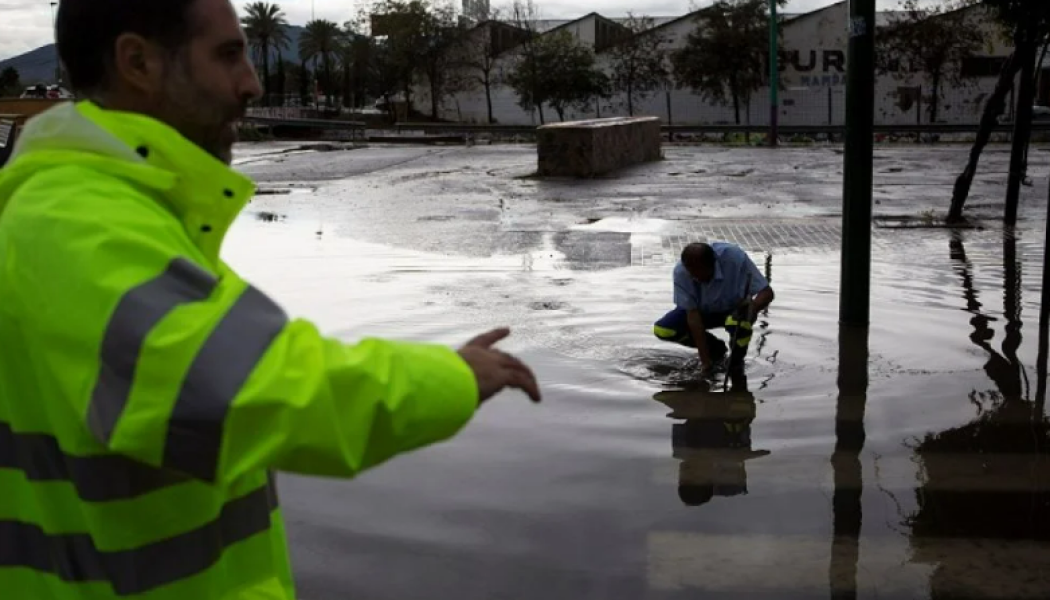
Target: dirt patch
548,305
270,217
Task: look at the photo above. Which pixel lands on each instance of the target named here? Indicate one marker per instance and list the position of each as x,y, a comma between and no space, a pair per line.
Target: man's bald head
699,259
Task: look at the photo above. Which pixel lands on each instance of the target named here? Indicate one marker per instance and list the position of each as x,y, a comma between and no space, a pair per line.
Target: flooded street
908,462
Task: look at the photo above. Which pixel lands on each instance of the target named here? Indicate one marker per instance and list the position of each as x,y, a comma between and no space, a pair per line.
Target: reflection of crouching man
715,286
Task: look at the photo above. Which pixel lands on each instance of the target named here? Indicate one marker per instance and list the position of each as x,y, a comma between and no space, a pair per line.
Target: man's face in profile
210,80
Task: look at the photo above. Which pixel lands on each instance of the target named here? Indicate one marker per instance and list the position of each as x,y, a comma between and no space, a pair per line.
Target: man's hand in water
706,370
495,370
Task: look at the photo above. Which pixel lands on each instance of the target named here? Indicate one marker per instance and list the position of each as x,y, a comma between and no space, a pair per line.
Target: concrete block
598,146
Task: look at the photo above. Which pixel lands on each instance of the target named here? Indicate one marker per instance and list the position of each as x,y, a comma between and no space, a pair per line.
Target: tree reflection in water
984,500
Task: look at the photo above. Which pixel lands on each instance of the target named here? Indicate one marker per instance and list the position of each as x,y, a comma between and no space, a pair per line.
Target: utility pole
854,299
774,75
54,36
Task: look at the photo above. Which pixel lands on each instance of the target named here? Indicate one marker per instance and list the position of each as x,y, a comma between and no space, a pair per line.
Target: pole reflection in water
1044,327
849,442
714,440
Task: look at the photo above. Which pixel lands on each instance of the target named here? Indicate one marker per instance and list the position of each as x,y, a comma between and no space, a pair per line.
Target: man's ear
139,63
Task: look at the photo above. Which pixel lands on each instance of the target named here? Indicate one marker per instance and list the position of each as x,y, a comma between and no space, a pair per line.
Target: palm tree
264,25
346,66
322,39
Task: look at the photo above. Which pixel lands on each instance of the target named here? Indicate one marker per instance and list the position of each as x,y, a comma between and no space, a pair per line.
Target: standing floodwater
907,462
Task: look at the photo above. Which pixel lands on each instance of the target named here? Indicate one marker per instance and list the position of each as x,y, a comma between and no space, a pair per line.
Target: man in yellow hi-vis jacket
147,392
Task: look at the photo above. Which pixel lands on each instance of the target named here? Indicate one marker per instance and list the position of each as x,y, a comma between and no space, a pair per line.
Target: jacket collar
204,193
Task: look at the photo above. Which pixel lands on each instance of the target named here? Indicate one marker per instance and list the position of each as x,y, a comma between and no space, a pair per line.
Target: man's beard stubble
200,117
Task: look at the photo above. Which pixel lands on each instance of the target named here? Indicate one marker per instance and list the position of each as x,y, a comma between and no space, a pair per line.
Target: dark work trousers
674,328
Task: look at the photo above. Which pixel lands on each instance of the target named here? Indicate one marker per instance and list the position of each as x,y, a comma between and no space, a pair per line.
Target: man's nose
251,87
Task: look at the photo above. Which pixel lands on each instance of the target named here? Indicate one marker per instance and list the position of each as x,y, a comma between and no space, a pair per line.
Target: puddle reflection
982,517
713,441
849,477
1044,336
1004,369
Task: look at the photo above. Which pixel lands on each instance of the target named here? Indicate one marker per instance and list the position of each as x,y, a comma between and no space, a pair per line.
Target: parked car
50,92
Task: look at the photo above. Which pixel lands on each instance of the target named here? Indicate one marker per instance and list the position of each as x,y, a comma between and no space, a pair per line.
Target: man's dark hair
698,256
87,30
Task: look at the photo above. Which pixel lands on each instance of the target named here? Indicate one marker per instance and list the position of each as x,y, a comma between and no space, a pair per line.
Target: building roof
546,25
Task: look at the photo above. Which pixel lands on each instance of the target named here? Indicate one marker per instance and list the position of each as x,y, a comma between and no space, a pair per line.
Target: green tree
571,80
280,79
397,27
558,72
640,62
420,39
301,79
724,59
323,40
440,32
930,39
524,78
10,81
351,60
265,27
480,51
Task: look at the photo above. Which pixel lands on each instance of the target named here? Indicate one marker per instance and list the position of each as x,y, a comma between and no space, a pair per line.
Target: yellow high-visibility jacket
148,393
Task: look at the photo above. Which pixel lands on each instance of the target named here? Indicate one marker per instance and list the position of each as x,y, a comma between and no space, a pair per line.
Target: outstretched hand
495,370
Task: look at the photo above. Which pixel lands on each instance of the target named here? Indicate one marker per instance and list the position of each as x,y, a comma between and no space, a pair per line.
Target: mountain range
38,66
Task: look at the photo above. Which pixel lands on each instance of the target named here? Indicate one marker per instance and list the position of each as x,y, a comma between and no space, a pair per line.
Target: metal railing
276,112
305,118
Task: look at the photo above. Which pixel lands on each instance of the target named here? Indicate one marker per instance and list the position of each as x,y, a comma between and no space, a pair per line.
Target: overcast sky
27,23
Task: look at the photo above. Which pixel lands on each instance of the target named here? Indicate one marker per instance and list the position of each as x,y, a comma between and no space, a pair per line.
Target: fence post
831,105
670,119
918,109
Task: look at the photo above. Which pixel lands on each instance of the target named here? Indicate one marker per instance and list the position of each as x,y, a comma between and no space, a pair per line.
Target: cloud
27,25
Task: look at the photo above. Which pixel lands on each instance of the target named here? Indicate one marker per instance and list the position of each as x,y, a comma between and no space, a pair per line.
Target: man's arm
759,294
760,302
183,365
685,299
699,330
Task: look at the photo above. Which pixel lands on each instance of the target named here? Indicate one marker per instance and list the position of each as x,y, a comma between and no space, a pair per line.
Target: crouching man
715,286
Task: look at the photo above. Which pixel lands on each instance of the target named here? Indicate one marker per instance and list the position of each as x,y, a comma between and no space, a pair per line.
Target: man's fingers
525,382
512,362
486,340
521,376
